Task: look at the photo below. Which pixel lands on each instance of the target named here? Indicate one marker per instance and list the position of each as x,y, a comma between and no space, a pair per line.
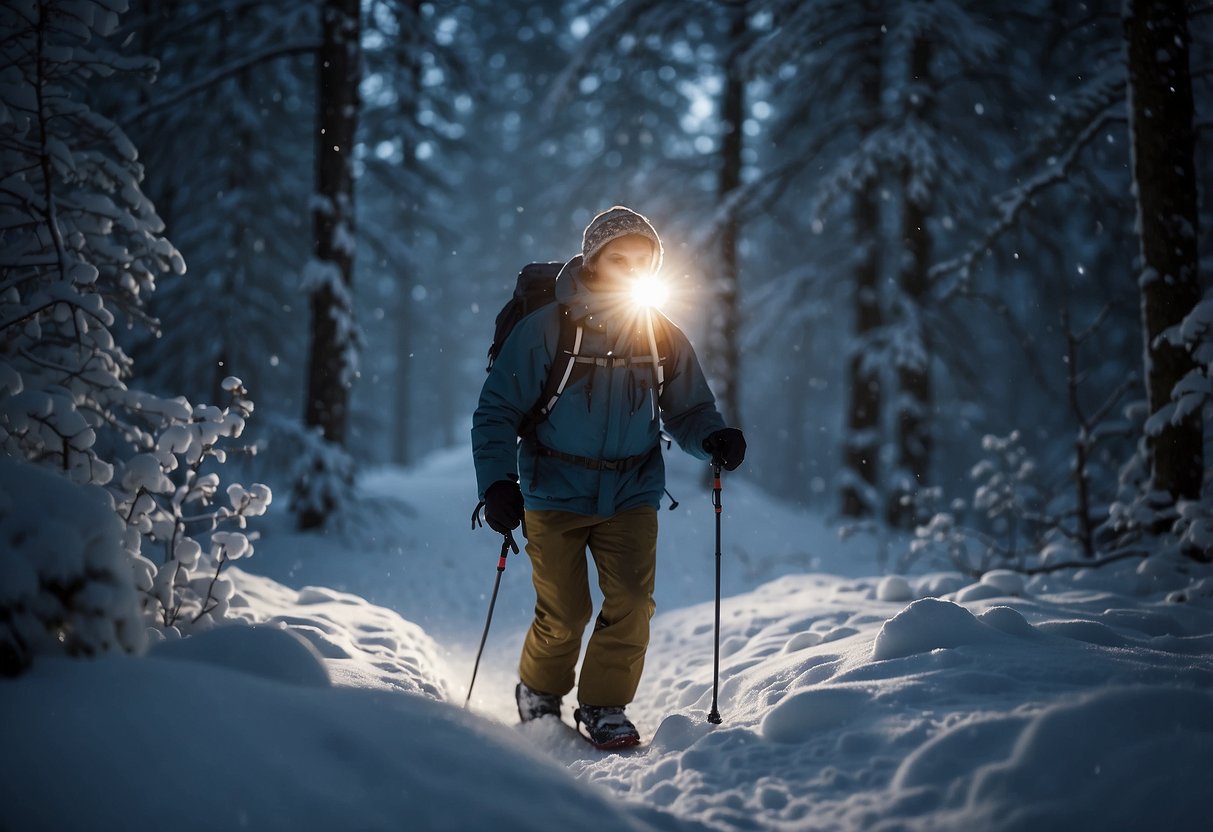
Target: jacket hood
611,313
571,291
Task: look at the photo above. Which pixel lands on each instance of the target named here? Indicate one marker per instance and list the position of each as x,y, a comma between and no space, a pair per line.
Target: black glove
503,506
727,447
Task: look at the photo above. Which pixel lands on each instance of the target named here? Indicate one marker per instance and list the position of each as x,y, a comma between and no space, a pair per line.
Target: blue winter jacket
606,413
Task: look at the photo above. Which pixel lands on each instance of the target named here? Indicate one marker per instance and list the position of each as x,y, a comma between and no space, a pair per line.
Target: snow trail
849,699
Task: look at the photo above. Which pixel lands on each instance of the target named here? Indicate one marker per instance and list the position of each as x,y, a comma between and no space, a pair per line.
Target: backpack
534,289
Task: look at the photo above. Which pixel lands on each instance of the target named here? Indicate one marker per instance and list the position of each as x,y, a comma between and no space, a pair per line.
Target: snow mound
1109,754
361,644
1009,621
894,588
678,732
1005,581
66,585
893,727
268,651
1091,632
929,624
806,714
268,755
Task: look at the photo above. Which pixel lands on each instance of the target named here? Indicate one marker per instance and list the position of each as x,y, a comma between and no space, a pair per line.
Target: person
591,475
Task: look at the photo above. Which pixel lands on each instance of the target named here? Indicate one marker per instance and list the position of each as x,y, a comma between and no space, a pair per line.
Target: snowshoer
590,474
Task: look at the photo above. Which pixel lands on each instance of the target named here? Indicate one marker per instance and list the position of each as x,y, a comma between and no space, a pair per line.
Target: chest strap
620,465
613,362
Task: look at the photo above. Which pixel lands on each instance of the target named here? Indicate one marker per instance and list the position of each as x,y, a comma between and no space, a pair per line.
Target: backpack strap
568,363
568,348
658,366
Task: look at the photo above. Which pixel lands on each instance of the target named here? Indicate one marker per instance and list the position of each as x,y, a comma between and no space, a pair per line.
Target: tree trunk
725,355
331,353
914,371
862,444
408,90
1163,145
239,176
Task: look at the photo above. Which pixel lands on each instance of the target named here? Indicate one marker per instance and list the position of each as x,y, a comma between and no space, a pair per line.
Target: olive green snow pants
624,548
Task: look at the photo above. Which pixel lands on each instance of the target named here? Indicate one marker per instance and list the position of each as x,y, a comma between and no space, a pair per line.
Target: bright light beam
648,290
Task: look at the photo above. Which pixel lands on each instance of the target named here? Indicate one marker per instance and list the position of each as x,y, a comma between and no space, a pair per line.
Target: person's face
621,261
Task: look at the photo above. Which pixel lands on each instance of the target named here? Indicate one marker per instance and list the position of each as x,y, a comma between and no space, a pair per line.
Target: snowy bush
1006,495
1005,503
945,543
164,517
65,578
83,247
1152,520
317,476
1194,528
323,476
1194,392
1135,508
1140,513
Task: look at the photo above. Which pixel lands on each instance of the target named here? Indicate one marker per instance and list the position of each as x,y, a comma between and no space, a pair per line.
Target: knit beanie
614,223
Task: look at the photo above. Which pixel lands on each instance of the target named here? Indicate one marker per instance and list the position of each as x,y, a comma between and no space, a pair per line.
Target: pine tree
234,203
723,359
411,132
933,169
861,444
1076,158
83,245
328,276
1163,144
914,399
83,248
857,122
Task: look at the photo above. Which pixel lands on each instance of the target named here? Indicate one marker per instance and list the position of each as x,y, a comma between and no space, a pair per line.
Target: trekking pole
714,716
506,545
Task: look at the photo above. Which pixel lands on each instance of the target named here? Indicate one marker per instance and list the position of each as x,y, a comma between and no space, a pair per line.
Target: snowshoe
606,728
532,704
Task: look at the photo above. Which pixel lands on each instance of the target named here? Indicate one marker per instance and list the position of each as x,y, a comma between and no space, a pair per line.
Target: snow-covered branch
757,196
1012,203
832,23
222,74
83,244
654,17
1058,566
44,154
189,22
31,314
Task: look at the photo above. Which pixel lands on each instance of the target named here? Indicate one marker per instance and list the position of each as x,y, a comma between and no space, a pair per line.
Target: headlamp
648,290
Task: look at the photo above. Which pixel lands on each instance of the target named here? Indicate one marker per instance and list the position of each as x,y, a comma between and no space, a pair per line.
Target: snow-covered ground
1076,700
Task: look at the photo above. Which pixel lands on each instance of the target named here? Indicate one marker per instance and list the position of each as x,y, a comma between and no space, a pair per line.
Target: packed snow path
1079,700
848,701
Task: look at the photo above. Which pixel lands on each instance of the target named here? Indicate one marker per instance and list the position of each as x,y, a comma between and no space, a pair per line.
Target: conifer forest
947,263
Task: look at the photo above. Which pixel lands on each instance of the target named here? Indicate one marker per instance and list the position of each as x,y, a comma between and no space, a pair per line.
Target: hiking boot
532,704
606,727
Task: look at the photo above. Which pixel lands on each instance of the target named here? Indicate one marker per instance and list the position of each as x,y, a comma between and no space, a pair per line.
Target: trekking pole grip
507,545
